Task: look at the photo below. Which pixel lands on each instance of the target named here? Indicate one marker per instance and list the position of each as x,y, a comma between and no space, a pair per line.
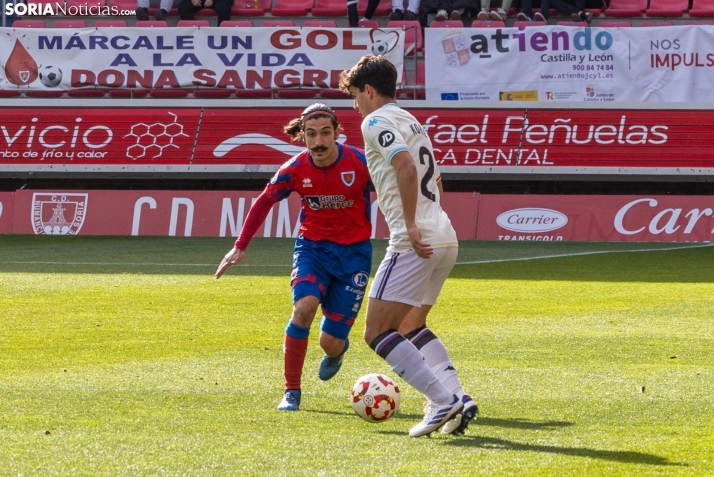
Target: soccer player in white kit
422,247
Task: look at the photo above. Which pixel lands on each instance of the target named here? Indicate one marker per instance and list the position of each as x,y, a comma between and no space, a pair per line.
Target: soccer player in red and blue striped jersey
333,253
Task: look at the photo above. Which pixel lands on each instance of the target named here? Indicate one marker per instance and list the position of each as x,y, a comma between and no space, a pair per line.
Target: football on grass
375,397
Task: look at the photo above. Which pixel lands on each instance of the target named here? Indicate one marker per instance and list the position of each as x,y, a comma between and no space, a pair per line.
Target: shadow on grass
627,457
522,424
573,261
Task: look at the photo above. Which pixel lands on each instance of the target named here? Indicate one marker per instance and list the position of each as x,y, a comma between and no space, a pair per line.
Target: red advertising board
7,201
97,136
180,213
565,141
596,218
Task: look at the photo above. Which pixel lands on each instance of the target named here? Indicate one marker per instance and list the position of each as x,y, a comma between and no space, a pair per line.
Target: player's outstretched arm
234,256
408,184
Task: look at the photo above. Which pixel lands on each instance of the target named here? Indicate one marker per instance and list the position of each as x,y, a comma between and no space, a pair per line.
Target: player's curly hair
376,71
296,127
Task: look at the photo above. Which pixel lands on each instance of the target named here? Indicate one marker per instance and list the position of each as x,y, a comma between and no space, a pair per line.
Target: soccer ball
380,47
375,397
50,76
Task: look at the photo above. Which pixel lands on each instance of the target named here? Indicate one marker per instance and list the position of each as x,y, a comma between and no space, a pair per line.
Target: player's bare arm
233,257
407,181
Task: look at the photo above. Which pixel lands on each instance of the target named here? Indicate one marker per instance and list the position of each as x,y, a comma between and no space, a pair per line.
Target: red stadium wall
628,218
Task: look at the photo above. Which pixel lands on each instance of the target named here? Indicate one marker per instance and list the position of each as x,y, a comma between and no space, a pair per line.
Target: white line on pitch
577,254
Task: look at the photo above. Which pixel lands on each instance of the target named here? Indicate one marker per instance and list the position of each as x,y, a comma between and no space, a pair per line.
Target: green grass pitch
122,356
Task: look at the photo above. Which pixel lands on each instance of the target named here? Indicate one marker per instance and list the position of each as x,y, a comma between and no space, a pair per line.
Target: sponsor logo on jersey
318,202
372,122
348,177
386,138
58,214
306,182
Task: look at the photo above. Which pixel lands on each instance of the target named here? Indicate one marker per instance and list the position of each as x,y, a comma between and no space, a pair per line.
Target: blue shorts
337,275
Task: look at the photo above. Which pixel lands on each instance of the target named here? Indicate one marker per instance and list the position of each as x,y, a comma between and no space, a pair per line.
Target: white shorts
407,278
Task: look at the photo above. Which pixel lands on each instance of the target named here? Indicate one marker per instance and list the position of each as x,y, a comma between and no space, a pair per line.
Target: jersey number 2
424,158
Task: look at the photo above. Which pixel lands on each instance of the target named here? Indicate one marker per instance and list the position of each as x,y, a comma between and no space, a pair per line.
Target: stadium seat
44,93
237,23
42,3
700,9
614,24
29,24
667,8
169,93
248,9
526,24
413,40
129,5
626,8
383,9
193,23
333,94
253,93
10,93
89,3
655,24
446,24
572,23
296,93
205,12
320,23
128,93
151,23
368,24
292,8
487,24
278,23
110,23
70,23
86,93
212,93
329,8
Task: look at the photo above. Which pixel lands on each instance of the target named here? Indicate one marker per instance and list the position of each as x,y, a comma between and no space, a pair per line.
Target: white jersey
387,131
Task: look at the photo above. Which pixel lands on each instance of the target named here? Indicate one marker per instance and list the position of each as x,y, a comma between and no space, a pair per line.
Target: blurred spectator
499,15
352,15
164,6
398,13
187,8
445,9
577,11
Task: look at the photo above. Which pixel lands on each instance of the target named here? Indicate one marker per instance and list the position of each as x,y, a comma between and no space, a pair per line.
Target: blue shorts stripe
390,267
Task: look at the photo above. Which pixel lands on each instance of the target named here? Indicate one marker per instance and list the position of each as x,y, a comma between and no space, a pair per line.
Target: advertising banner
180,213
596,218
253,58
235,140
7,201
563,63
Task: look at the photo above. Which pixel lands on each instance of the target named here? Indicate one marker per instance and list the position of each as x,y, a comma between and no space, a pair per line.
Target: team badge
25,76
58,214
348,178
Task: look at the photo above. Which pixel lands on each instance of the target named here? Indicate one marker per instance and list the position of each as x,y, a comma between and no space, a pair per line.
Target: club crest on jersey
348,177
58,214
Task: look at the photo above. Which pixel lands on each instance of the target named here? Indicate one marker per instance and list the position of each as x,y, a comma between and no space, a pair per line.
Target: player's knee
304,313
331,345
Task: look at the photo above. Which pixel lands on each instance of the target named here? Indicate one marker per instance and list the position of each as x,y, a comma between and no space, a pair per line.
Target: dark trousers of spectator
561,5
352,15
222,8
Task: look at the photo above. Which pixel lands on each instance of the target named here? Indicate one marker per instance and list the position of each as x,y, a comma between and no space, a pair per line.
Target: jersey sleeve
383,136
